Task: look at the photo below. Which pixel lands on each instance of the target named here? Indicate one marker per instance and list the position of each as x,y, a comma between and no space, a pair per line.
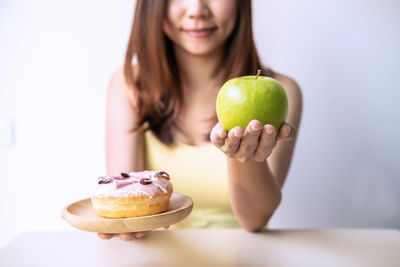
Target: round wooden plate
82,216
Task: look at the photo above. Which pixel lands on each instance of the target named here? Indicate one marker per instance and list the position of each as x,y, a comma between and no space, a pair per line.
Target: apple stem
258,74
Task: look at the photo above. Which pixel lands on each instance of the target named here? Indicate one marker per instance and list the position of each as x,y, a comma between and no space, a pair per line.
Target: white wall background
56,58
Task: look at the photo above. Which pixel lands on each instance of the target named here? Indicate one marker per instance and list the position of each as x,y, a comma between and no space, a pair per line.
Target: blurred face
200,27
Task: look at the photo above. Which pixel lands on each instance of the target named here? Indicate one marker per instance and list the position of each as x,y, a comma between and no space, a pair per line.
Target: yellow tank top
198,172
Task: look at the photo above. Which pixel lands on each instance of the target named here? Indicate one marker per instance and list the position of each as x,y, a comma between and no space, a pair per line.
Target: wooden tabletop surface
208,247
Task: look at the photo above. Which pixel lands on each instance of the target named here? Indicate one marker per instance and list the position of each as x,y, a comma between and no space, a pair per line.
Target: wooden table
208,247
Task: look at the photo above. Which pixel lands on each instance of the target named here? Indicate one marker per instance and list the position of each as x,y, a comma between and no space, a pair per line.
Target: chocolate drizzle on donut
125,175
125,178
105,180
162,174
145,181
119,177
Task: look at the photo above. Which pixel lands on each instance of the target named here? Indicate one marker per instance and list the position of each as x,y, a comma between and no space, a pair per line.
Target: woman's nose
198,9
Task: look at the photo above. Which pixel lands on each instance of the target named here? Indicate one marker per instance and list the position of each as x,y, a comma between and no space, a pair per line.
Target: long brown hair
157,86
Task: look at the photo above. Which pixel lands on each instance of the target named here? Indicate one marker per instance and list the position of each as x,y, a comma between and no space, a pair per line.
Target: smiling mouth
199,33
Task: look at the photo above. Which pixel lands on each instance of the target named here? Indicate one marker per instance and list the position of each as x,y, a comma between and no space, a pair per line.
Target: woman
161,112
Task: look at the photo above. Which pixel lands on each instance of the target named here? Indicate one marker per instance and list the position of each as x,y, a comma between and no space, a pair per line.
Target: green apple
243,99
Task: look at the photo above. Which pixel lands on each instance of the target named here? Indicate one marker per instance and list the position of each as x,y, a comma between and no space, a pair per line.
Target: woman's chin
200,50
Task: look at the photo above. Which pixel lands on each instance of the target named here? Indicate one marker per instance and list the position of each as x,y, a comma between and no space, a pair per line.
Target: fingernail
269,131
140,235
289,131
236,133
255,127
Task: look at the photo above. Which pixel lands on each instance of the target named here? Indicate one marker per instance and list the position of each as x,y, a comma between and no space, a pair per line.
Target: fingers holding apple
217,135
232,142
256,143
287,132
258,104
226,142
267,143
250,141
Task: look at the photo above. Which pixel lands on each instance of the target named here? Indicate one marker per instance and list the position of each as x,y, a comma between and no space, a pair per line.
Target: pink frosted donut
132,194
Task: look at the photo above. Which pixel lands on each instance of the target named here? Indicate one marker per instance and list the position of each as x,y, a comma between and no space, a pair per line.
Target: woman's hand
255,143
126,236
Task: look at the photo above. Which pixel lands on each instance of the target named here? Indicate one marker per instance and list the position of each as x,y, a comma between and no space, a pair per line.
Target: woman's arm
281,158
257,164
124,149
124,146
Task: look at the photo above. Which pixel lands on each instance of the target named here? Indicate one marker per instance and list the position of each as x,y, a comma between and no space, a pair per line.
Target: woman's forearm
253,191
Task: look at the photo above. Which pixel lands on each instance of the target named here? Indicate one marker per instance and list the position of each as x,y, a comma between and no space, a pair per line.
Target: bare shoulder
118,77
122,108
119,86
290,85
295,97
123,143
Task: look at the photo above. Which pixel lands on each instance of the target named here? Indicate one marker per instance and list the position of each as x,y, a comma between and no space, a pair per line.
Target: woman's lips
199,33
